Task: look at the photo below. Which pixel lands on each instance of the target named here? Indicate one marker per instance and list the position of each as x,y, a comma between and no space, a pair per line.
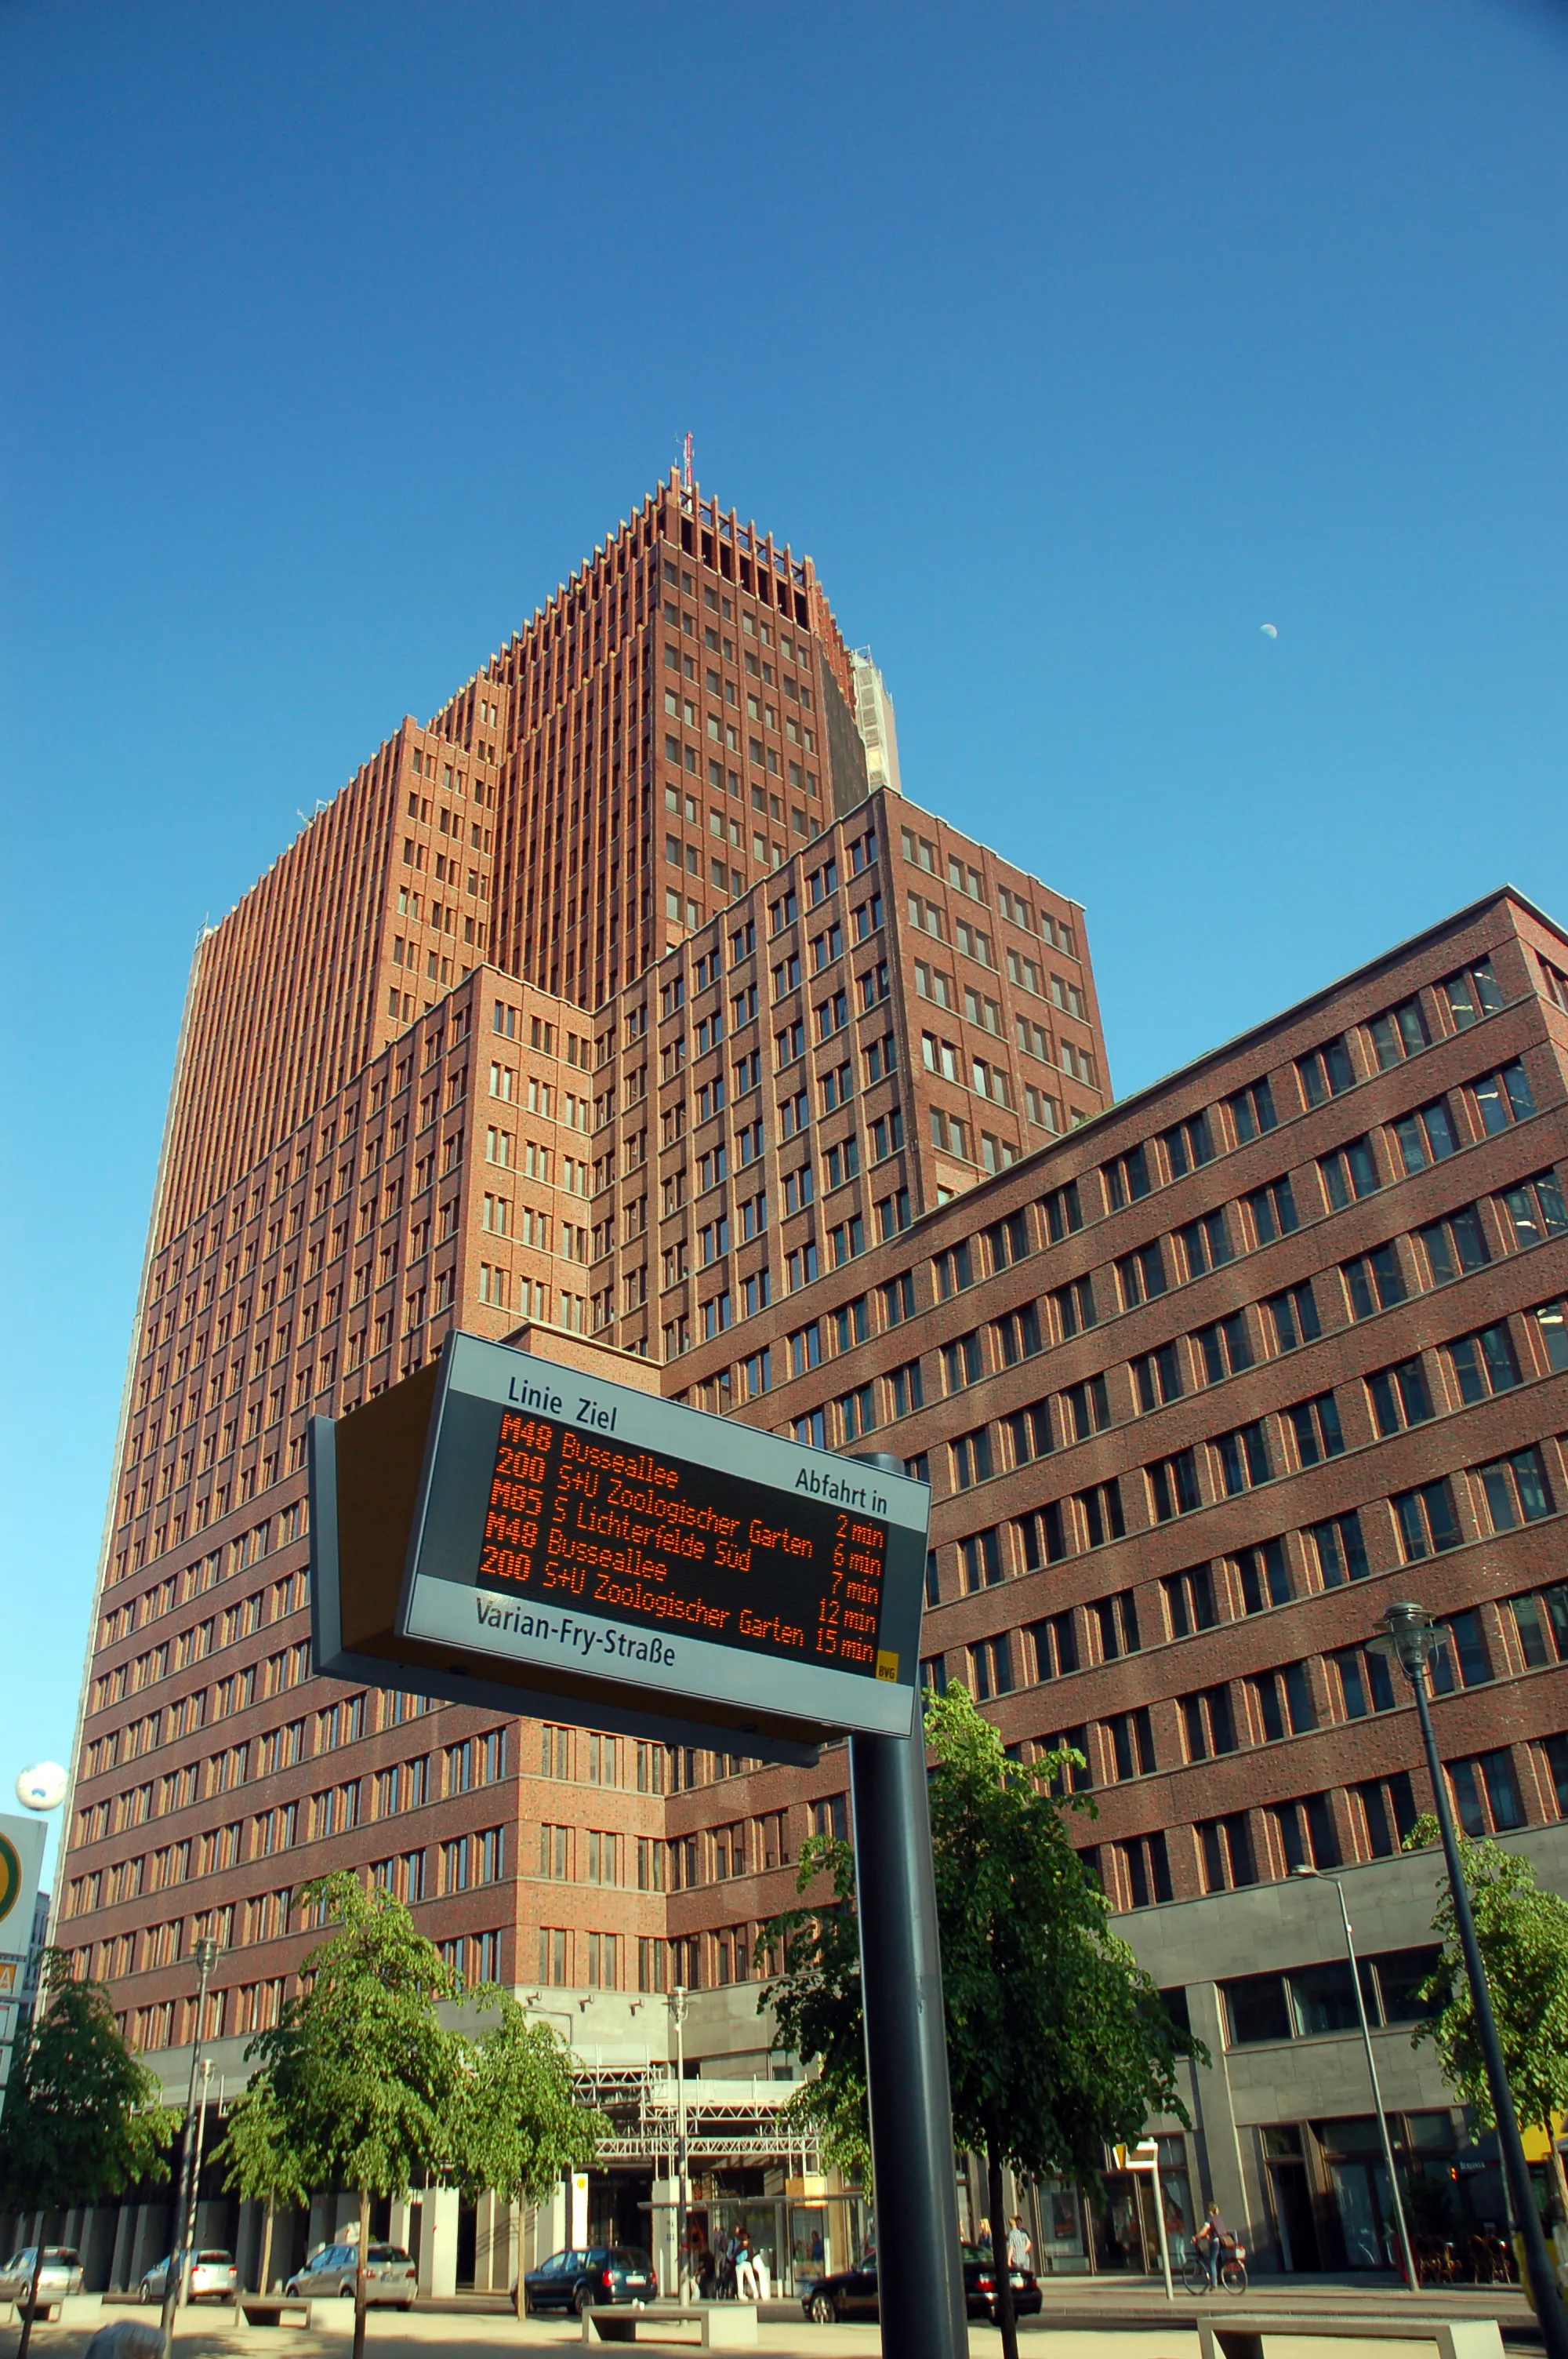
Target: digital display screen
588,1533
662,1545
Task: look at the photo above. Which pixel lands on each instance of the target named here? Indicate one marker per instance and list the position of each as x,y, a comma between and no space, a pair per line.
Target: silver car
392,2281
213,2277
61,2274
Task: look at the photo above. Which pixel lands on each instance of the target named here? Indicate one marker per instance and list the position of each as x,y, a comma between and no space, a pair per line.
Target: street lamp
1411,1636
1372,2074
184,2214
678,2009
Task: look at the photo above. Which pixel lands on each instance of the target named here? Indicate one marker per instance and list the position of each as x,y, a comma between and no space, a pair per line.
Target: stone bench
699,2325
46,2312
273,2309
1267,2337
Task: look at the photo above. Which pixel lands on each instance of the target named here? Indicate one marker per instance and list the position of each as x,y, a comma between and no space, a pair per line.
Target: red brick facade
828,1142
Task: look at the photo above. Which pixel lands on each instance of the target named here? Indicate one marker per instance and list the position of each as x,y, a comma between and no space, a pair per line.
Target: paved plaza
1129,2322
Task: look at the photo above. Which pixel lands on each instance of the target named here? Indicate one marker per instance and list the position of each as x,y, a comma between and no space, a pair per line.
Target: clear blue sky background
1075,339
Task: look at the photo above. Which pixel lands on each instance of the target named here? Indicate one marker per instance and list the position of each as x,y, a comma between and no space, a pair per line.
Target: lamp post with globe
42,1785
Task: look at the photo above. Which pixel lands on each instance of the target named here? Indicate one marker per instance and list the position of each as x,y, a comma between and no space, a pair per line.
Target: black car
587,2279
853,2292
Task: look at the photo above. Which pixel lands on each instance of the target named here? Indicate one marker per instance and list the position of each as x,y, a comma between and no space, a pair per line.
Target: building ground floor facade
1283,2131
1283,2134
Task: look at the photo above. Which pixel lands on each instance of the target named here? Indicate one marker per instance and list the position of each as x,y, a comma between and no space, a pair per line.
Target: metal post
173,2280
920,2281
920,2274
1411,1637
683,2222
1151,2147
1412,2280
187,2242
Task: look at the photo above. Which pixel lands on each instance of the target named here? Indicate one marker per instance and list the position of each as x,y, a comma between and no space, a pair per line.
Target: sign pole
920,2283
920,2278
584,1549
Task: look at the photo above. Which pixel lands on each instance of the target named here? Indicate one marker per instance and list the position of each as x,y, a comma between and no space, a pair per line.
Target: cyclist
1213,2241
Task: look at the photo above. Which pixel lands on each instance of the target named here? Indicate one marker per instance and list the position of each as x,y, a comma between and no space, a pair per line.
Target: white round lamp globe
41,1788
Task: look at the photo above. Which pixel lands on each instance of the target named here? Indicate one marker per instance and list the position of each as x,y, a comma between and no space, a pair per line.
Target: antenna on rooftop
685,468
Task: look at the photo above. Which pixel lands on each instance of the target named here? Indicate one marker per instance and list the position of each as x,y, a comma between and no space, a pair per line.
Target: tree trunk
32,2290
1557,2179
521,2297
360,2275
266,2247
1006,2322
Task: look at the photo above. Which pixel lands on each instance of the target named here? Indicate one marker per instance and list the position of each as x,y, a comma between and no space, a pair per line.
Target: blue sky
1076,341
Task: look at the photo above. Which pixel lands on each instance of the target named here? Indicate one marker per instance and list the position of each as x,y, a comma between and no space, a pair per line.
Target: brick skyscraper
617,1006
520,824
583,1005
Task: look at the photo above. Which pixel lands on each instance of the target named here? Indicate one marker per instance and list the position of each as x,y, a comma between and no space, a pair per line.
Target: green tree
83,2118
1523,1937
816,2000
516,2127
258,2161
1058,2042
359,2081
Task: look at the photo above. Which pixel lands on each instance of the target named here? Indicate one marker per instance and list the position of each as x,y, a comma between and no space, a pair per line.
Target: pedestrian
746,2284
1211,2240
1019,2247
696,2263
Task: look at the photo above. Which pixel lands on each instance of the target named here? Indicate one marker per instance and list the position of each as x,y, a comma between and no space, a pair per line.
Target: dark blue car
588,2278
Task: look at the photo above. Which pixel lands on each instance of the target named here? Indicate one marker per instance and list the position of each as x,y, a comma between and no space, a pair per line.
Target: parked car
852,2293
61,2274
589,2278
213,2277
392,2281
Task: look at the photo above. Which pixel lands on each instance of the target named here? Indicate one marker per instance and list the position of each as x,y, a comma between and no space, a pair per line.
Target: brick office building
825,1137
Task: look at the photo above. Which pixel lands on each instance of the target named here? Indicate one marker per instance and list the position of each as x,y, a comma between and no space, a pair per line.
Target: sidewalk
1126,2321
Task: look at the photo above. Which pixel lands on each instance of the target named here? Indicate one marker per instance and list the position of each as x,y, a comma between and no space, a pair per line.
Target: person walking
746,2286
696,2264
1019,2248
1211,2241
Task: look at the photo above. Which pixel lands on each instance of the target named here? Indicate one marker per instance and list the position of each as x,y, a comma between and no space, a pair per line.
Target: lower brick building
1200,1381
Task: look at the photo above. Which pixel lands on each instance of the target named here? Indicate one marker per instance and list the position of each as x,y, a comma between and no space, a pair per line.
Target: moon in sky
1269,631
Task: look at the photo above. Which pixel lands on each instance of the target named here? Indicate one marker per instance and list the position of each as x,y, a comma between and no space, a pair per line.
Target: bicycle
1232,2273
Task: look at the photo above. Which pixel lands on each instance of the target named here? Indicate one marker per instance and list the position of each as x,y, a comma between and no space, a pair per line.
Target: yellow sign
887,1665
10,1875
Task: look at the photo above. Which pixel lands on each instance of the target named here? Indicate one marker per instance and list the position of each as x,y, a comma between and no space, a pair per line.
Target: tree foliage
1058,2042
816,2002
83,2118
258,2161
358,2079
359,2076
362,2083
1523,1937
516,2128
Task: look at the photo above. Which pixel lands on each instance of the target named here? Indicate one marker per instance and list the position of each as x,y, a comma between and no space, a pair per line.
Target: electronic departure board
587,1530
